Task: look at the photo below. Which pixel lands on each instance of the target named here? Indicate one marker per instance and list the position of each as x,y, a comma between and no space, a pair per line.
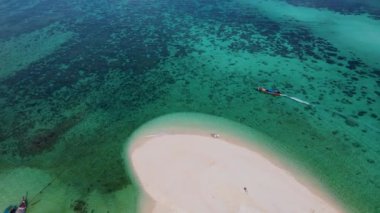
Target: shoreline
161,134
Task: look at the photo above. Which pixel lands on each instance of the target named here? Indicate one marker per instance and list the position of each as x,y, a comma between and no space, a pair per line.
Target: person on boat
11,209
22,207
270,91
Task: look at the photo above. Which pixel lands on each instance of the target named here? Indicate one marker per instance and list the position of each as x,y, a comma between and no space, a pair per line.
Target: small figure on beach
214,135
245,189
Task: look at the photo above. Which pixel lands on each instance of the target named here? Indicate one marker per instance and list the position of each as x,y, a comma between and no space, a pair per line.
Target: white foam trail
297,99
333,111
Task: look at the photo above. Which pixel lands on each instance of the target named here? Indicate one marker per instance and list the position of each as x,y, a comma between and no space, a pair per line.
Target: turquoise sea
78,77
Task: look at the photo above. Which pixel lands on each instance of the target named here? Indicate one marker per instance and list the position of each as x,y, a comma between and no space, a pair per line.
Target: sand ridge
197,173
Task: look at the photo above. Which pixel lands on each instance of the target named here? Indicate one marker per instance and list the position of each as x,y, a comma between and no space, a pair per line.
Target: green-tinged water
78,77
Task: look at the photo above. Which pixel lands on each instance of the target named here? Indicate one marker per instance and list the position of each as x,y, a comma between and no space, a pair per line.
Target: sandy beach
198,173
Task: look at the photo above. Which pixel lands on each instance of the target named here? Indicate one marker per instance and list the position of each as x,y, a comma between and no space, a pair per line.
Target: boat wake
348,118
296,99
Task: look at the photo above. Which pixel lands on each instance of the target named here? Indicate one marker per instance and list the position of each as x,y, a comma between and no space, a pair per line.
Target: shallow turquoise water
77,78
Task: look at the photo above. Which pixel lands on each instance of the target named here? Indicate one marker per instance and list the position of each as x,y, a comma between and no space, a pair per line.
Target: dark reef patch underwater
78,77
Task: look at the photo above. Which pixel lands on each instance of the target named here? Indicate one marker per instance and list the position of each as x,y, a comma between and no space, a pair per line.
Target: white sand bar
195,173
